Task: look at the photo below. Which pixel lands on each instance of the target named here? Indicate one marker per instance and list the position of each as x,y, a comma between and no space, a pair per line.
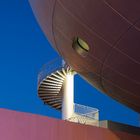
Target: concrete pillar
68,97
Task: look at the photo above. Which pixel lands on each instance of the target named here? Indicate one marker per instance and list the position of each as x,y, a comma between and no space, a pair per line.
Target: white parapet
85,115
68,96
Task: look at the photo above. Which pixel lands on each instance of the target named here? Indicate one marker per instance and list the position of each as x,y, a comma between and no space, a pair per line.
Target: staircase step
55,79
61,74
47,94
59,107
54,102
52,81
49,89
64,72
51,99
57,76
56,86
50,84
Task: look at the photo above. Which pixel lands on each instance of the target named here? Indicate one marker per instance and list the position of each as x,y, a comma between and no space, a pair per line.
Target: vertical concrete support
68,97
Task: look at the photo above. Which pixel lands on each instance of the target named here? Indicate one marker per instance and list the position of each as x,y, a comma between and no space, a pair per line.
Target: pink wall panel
24,126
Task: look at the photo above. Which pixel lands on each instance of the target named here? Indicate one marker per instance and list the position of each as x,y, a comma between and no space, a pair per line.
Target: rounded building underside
111,29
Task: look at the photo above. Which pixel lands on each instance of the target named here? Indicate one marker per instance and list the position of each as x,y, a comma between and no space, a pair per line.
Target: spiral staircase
50,86
50,90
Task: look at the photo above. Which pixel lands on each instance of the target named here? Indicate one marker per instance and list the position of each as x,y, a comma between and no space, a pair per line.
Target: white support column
68,97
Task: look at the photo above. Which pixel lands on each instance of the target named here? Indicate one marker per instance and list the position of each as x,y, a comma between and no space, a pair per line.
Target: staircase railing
85,115
86,111
51,67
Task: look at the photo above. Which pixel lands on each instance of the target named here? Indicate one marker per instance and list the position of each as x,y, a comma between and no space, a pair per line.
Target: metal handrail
51,67
86,111
85,115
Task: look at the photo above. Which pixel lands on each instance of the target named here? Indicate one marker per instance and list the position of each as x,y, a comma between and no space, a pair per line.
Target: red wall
24,126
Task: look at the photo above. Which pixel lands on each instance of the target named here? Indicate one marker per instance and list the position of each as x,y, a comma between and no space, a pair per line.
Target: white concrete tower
68,96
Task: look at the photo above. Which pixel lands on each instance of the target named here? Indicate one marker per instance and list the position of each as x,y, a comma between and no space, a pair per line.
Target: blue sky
23,51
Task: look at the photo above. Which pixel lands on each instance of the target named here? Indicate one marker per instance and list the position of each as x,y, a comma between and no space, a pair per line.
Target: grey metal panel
115,126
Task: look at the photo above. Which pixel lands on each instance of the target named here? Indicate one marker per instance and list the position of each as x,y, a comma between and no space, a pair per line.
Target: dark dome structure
100,39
